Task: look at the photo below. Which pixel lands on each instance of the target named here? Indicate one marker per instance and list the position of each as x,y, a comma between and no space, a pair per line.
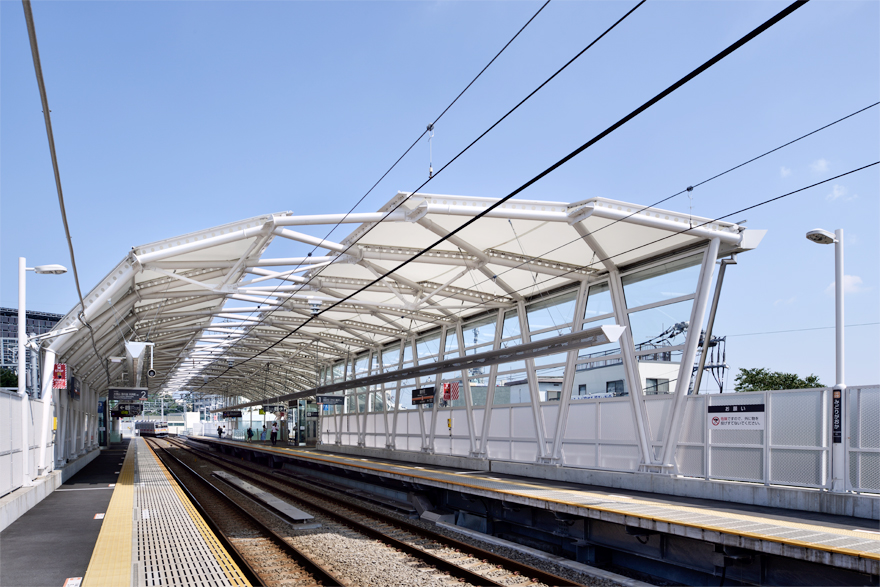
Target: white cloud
787,302
852,284
838,192
819,166
784,171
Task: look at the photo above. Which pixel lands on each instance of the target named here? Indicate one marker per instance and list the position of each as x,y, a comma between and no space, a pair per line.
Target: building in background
37,323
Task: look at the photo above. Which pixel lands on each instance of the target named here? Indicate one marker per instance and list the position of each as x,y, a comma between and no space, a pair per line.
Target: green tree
761,379
8,378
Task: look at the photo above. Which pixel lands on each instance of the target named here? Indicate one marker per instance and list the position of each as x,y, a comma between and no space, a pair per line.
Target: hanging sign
74,388
425,395
59,377
736,417
130,409
331,400
312,414
232,414
127,394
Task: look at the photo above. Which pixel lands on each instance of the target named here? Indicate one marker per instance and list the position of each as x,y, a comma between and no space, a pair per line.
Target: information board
130,409
331,400
736,417
127,394
424,395
232,414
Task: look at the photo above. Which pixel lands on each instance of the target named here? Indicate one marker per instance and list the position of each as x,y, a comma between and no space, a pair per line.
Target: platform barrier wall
793,448
12,464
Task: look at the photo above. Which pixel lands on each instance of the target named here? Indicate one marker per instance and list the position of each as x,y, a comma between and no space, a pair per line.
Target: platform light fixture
22,342
838,409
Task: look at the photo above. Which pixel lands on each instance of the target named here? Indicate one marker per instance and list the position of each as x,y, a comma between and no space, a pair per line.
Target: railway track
265,555
464,561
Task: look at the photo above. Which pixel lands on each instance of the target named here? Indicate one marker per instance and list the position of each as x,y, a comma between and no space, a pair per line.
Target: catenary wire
38,70
508,113
680,232
675,86
414,143
802,329
530,260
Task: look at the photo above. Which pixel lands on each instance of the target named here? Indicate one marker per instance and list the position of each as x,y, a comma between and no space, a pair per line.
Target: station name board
331,400
424,395
127,394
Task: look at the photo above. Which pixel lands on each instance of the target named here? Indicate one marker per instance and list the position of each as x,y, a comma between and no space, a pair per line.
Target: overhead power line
460,153
540,257
38,69
669,90
406,152
680,232
802,329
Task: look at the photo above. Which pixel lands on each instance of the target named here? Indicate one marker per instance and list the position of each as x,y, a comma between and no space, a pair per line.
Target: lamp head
822,237
50,269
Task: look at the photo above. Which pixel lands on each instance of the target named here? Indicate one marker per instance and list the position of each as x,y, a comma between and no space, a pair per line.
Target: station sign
331,400
736,417
836,422
273,408
424,395
312,414
232,414
127,394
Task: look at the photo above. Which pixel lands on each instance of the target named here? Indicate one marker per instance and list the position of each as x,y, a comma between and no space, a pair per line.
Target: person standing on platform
250,434
219,431
263,433
274,433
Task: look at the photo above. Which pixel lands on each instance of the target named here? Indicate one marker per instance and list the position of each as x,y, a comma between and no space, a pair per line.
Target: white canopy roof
219,304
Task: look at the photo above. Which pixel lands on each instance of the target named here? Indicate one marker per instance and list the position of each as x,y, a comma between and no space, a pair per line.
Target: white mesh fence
863,459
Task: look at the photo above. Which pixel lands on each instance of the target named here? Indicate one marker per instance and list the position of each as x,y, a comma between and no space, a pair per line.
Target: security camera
151,373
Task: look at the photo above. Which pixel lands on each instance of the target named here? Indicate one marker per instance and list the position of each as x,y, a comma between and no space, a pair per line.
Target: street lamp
838,410
22,342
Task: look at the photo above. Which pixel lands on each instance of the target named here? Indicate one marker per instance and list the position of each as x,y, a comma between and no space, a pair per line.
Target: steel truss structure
229,317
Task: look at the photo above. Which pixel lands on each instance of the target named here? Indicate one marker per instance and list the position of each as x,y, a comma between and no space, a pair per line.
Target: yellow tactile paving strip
230,569
724,522
111,560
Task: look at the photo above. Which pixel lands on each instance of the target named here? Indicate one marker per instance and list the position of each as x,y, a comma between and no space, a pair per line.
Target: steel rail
491,557
320,574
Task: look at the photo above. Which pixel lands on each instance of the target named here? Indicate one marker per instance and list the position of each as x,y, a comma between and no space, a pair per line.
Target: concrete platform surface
53,541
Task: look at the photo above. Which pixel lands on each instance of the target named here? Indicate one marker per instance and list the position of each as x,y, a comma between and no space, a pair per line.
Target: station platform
845,542
123,520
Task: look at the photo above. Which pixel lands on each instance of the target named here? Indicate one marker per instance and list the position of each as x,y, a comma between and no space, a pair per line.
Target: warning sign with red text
736,417
59,377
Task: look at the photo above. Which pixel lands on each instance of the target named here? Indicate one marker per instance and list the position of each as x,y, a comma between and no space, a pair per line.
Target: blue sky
172,117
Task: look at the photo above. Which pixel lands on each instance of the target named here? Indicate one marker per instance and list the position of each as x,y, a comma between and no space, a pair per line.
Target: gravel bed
358,561
487,569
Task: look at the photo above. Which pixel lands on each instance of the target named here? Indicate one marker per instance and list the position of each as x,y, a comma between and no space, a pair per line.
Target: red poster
59,380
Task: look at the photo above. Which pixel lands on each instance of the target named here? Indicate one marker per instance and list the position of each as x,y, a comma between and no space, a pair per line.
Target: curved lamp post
838,409
22,342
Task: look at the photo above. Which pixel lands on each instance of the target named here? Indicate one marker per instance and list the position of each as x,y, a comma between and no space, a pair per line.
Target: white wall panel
621,457
499,427
498,449
616,421
579,455
581,421
522,422
524,451
658,408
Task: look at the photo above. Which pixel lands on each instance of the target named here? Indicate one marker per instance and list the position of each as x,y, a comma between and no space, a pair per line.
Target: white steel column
688,355
341,416
568,378
362,433
393,444
415,351
490,388
49,404
532,378
466,390
444,332
631,368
